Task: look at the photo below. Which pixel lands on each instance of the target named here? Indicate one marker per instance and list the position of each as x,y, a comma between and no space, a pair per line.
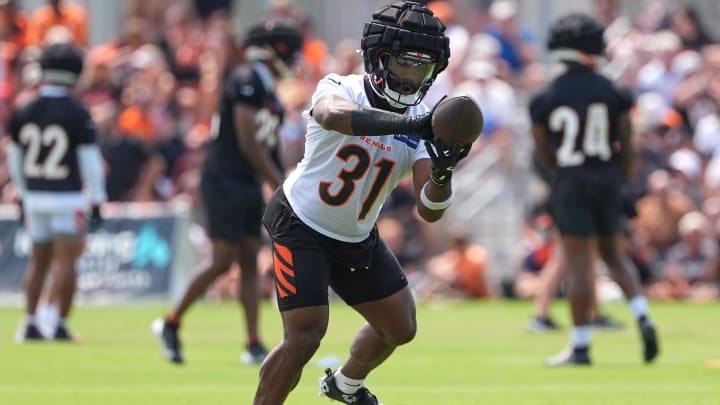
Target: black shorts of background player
553,271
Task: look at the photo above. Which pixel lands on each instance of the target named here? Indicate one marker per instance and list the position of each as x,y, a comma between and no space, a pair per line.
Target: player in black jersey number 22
53,157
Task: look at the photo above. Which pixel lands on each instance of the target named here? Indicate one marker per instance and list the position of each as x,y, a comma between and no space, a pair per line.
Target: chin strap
261,54
576,56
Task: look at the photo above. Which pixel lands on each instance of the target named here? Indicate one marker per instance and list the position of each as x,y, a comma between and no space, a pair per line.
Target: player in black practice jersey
243,154
53,155
582,129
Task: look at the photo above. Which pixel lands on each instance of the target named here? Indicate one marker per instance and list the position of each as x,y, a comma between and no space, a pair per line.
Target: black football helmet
576,37
61,63
404,49
282,36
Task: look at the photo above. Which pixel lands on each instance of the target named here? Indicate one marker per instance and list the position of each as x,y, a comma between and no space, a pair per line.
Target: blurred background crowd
154,87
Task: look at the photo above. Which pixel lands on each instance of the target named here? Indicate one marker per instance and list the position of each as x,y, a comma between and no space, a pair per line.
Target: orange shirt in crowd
314,53
133,122
14,29
18,19
72,16
470,266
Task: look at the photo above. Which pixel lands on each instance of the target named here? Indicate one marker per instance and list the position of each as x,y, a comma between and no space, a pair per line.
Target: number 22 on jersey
594,140
34,139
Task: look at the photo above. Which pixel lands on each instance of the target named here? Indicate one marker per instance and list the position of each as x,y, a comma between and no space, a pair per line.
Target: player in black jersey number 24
582,130
53,158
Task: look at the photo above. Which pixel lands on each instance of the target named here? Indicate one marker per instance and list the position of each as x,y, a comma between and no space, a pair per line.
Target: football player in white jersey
365,133
54,160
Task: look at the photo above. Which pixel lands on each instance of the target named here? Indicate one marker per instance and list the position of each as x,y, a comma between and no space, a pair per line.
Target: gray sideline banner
126,258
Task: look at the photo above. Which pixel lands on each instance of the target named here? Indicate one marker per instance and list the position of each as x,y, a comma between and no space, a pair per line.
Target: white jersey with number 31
342,181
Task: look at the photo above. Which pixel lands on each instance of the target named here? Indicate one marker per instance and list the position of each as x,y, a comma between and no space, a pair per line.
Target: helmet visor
409,71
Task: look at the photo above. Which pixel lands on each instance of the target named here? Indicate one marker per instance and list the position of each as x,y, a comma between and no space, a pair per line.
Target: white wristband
434,205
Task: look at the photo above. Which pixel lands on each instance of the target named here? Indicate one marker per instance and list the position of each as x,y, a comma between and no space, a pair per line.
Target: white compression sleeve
92,172
15,165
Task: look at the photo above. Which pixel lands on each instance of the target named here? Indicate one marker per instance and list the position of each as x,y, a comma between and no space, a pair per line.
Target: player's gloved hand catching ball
96,219
423,123
444,159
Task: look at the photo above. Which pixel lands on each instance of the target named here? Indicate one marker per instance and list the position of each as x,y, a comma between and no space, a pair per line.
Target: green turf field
469,353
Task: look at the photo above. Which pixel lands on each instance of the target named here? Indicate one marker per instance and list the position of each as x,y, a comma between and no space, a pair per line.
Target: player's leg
35,276
68,229
381,295
167,329
223,254
578,251
301,284
391,323
66,251
247,257
551,275
623,272
303,329
599,319
247,253
37,226
574,218
224,209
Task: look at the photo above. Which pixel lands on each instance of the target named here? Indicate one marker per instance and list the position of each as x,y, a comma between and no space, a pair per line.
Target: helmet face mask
404,49
276,43
407,77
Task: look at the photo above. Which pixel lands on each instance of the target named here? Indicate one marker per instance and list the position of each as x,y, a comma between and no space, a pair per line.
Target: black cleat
649,339
575,356
62,334
253,354
167,333
329,389
29,332
604,322
542,324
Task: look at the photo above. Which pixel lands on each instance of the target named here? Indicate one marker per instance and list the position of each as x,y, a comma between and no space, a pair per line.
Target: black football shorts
233,208
306,263
587,201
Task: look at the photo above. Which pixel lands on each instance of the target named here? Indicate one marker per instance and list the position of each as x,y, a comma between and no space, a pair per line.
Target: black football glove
444,159
96,218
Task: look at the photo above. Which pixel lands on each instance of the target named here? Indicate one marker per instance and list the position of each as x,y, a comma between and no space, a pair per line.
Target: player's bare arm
336,113
434,192
258,156
544,149
627,150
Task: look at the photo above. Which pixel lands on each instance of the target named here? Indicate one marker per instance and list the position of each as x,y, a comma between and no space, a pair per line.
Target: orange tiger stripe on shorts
284,273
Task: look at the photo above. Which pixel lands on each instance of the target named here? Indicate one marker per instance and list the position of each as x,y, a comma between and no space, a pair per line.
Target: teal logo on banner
151,248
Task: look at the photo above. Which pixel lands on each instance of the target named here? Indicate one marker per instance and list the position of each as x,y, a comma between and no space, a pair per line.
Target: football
457,120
